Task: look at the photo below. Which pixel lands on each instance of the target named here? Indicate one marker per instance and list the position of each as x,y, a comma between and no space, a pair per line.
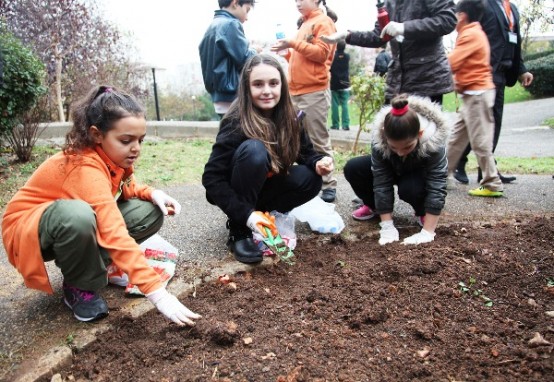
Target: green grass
548,122
170,162
517,93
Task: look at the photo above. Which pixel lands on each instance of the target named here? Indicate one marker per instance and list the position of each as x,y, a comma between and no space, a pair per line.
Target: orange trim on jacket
470,59
311,58
93,178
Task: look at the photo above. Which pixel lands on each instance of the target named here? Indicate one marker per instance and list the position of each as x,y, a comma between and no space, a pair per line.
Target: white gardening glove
393,29
420,238
162,200
388,232
258,221
170,307
334,38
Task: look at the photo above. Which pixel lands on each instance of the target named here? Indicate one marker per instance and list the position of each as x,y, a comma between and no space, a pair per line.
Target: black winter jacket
340,71
430,154
419,64
217,172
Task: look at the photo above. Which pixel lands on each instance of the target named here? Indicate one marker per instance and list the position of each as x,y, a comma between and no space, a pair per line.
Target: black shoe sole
461,178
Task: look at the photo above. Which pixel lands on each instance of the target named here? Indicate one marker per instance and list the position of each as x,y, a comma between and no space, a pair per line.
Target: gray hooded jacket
429,155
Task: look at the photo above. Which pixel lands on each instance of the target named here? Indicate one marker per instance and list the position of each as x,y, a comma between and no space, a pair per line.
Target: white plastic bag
285,225
320,215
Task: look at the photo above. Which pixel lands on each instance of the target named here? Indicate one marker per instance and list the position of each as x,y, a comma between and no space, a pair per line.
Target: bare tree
537,15
77,45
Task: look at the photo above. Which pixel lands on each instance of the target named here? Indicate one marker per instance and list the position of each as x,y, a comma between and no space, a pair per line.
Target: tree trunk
59,99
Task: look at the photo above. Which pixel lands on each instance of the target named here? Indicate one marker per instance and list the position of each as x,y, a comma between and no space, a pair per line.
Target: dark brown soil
351,310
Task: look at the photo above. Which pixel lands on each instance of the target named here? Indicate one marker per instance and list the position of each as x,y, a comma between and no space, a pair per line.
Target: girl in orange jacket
83,209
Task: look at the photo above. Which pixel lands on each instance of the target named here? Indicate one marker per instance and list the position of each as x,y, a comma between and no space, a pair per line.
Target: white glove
257,221
162,200
334,38
388,232
393,29
420,238
172,308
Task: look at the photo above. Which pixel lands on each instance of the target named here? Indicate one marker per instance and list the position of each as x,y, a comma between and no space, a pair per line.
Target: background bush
542,69
22,84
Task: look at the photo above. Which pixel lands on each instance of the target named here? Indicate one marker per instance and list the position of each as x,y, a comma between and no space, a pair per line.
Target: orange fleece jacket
93,178
311,58
470,59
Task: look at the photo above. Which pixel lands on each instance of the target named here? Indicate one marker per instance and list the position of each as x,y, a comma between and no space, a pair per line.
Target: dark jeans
497,112
249,178
411,185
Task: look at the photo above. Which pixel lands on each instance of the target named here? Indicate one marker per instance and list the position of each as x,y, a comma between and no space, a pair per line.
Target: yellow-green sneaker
482,191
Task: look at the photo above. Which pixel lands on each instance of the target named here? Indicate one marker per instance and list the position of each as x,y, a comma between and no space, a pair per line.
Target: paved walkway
36,325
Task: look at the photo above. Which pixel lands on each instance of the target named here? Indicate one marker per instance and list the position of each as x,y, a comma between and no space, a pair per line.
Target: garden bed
476,304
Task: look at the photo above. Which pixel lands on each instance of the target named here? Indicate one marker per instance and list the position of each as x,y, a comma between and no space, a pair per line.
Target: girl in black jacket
252,165
408,149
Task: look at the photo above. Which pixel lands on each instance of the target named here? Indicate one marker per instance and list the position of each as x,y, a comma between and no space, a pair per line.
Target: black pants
497,112
411,185
282,193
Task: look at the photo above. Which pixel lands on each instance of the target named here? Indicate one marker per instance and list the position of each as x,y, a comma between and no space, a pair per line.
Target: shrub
534,56
22,83
543,72
369,95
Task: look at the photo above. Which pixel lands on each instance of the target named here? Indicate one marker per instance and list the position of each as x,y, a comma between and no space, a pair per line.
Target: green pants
67,232
339,99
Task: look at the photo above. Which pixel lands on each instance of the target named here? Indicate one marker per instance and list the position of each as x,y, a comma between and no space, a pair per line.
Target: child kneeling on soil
251,168
408,149
83,209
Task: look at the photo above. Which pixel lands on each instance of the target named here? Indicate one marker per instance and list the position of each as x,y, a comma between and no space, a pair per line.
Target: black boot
460,173
506,179
242,244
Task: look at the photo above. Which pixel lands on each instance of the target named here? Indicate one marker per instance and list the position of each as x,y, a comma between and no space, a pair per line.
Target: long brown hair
101,107
280,134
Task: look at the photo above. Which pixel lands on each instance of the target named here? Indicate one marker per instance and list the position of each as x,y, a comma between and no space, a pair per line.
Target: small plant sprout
69,339
550,282
472,291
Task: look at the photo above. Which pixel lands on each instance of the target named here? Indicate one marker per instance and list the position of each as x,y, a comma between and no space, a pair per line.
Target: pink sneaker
363,213
420,220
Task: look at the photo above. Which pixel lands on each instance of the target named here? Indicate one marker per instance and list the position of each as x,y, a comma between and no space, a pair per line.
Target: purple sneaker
86,305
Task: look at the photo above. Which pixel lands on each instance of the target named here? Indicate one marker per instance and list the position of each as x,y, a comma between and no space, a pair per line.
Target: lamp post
156,94
194,106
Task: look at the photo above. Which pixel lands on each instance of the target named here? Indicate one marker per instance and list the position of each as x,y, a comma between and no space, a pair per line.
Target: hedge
542,69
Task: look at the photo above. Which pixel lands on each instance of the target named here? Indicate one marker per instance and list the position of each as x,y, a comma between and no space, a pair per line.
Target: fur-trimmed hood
432,120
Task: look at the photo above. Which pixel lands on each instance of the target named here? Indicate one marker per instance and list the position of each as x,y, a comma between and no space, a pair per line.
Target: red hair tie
401,111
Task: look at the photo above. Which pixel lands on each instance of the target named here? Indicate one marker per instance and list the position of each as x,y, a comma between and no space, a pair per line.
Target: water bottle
383,18
280,34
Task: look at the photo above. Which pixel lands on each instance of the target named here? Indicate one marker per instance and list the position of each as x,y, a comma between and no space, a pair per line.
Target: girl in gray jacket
408,150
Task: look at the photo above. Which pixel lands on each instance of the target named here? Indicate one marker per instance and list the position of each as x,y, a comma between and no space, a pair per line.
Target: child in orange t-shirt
83,209
470,63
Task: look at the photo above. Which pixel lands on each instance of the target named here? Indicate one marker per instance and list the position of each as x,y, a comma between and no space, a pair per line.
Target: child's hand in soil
172,308
420,238
163,200
388,233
